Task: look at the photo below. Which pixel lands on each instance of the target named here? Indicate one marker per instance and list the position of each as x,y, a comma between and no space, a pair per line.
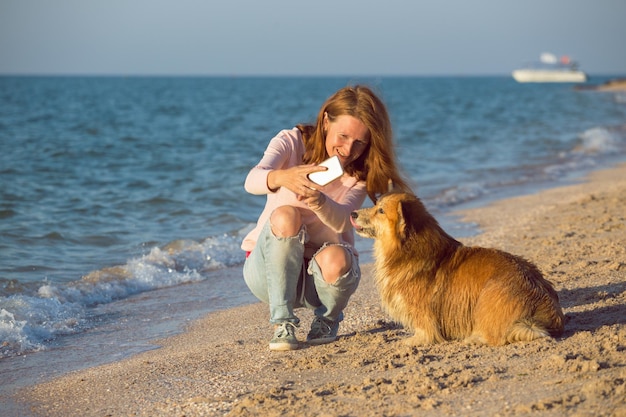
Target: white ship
550,70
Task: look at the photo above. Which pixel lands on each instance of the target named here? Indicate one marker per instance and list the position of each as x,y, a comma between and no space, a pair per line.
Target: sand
221,365
615,85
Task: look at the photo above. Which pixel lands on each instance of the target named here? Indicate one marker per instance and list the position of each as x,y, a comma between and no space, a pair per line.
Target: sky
296,37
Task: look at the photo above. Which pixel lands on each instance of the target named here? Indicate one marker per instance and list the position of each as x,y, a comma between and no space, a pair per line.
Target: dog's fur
438,288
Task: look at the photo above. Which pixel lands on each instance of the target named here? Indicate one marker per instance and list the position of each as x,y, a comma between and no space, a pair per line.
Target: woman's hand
296,179
314,200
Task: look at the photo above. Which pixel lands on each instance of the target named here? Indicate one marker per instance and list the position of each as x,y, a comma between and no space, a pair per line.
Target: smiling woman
301,252
346,136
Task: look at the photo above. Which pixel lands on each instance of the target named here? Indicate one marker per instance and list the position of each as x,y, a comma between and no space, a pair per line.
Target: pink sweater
329,223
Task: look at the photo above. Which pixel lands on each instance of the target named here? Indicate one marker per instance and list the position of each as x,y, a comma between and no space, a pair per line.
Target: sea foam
29,321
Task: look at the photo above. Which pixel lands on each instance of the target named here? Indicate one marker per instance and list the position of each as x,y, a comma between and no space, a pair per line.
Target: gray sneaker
322,331
284,337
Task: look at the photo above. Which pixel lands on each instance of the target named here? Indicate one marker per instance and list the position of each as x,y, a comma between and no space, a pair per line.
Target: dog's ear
390,186
415,217
401,223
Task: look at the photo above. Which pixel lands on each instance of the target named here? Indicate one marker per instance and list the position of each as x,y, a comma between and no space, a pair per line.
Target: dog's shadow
588,295
595,318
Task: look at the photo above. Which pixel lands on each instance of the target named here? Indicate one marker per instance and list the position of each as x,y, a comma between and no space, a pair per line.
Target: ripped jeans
278,274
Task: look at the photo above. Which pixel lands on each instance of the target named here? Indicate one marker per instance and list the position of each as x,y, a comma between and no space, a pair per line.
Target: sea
122,206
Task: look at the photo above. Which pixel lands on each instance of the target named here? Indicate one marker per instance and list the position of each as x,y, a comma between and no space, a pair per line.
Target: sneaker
284,337
322,331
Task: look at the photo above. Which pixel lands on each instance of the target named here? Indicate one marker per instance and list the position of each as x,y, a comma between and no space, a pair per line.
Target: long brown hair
377,164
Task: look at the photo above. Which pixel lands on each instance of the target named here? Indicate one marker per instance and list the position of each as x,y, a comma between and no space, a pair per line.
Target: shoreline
220,364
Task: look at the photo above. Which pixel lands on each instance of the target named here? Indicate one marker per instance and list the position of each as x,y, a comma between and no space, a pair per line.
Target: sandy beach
221,365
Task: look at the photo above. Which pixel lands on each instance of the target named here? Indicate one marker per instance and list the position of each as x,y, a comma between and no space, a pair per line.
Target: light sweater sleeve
336,213
276,156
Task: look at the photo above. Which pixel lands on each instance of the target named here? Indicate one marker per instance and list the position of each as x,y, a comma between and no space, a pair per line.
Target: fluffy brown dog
438,288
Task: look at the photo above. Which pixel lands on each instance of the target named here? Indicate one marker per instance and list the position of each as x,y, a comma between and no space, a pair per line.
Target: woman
301,253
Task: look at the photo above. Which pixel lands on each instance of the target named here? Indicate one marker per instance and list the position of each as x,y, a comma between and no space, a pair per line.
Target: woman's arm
275,157
336,214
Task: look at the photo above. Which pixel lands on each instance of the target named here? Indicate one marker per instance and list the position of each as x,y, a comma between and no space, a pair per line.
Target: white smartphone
333,172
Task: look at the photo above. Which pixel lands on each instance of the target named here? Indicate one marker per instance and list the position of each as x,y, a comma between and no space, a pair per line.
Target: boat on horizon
550,69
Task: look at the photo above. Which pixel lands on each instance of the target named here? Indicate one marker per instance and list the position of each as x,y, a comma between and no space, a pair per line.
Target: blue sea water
122,204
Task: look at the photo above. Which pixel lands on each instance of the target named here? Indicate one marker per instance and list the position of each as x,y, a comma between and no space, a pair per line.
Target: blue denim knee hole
334,297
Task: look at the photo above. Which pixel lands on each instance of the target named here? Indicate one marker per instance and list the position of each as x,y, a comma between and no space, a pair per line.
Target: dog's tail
525,330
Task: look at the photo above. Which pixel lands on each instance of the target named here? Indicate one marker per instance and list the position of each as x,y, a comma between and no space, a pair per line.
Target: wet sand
221,365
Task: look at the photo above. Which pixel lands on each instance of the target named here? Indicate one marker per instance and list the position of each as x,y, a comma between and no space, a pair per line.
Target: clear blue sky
296,37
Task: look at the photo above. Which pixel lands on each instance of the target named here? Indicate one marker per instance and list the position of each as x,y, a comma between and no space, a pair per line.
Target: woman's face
347,137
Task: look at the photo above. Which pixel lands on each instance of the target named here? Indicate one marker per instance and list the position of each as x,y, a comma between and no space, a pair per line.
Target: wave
600,140
591,149
32,316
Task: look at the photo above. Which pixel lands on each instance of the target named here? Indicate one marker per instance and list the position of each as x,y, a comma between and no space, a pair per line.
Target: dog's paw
475,339
420,338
